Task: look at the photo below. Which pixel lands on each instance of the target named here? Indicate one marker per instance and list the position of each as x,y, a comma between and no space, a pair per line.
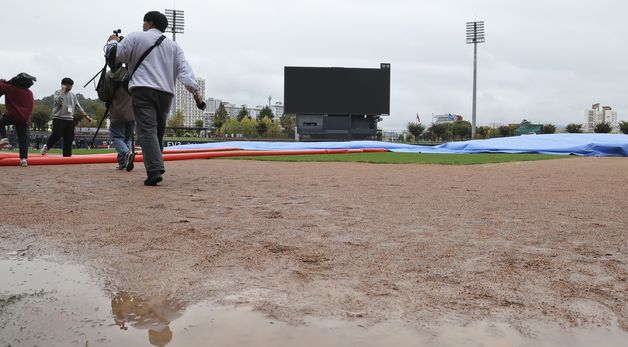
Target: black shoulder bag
127,78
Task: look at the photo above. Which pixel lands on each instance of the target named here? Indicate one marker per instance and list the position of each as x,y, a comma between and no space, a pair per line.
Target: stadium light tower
176,23
475,35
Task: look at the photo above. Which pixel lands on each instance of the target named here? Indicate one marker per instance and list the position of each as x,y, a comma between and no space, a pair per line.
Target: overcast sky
545,61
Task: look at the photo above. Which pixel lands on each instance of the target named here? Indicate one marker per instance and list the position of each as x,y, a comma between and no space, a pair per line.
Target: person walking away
65,105
152,84
19,104
122,121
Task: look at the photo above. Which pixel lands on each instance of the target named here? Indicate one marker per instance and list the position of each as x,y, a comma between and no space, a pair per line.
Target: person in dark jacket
122,121
19,103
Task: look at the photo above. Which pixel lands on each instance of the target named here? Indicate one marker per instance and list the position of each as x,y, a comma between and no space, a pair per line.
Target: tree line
264,125
461,130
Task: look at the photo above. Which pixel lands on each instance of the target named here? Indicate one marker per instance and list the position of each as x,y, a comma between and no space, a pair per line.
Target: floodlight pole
475,88
475,35
176,24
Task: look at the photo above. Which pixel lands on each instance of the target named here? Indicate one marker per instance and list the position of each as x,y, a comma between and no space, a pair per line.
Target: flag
417,118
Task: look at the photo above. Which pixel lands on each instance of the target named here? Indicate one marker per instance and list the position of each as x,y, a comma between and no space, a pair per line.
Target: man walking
65,105
152,84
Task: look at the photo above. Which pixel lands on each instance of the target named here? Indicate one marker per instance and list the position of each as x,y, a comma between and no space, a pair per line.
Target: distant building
186,104
277,109
212,105
446,118
234,110
597,115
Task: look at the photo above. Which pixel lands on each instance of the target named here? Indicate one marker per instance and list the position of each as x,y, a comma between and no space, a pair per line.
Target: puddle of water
48,304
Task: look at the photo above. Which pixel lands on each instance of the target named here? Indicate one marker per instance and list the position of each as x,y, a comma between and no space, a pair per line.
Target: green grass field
375,158
411,158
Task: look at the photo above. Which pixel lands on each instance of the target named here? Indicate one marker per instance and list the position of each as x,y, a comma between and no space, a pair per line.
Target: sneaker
44,150
122,163
129,159
4,141
153,178
23,163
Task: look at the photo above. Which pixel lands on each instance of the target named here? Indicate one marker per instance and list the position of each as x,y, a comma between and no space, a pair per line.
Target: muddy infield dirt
525,243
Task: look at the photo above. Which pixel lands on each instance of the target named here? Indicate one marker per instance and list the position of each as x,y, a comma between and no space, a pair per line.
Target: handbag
127,78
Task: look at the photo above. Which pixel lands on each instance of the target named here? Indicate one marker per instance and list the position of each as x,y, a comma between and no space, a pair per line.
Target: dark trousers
22,134
62,128
151,108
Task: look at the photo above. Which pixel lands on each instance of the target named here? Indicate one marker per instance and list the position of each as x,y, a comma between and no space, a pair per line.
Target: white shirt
163,65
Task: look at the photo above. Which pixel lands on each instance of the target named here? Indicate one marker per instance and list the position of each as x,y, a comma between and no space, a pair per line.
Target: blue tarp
578,144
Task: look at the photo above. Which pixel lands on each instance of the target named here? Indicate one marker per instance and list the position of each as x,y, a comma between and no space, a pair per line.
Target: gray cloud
543,61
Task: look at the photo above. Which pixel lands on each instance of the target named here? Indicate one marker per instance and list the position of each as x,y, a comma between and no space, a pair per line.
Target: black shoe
153,178
130,157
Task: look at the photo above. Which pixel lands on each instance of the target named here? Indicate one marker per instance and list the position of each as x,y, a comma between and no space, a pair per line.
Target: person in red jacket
19,103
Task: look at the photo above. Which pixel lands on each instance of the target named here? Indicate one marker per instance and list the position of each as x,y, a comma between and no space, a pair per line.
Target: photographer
152,84
19,102
65,105
122,120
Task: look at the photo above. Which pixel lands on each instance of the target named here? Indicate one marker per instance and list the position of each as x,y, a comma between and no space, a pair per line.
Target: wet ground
319,253
44,303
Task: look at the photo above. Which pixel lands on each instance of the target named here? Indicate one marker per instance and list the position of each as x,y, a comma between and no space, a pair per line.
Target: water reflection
153,314
50,304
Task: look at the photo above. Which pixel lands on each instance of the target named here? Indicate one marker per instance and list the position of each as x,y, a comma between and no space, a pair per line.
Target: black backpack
109,82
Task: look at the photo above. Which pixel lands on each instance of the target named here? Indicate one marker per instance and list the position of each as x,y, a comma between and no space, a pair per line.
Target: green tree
248,127
198,124
243,113
492,132
574,128
274,131
549,128
288,122
47,102
230,127
416,129
504,130
461,129
263,126
603,128
177,122
482,132
40,118
96,110
525,121
623,126
221,116
94,107
439,130
266,112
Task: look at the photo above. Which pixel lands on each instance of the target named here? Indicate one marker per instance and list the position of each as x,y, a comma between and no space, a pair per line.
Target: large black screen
317,90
